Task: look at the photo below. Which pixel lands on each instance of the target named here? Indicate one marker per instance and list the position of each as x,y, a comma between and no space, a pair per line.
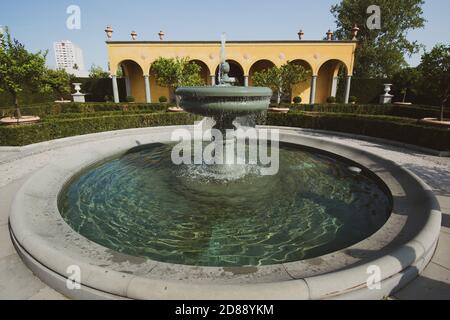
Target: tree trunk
17,113
279,98
442,111
404,96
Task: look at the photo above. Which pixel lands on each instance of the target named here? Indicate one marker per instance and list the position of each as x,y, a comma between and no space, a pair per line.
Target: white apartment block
70,58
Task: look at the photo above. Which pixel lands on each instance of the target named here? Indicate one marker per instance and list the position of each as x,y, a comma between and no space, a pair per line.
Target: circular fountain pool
141,204
313,223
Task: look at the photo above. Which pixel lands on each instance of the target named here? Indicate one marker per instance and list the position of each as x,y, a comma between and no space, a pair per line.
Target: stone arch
205,72
134,79
259,66
303,89
236,71
327,79
157,91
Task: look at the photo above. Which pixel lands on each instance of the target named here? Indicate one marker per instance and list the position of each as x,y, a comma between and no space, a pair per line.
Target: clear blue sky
40,22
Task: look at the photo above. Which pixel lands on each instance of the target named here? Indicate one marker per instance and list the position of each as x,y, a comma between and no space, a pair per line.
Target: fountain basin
220,100
48,245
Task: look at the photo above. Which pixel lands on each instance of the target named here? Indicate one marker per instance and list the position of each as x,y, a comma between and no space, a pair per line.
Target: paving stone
17,282
433,284
6,246
442,254
48,294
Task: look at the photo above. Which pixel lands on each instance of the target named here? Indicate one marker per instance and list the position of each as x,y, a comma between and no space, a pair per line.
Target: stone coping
401,248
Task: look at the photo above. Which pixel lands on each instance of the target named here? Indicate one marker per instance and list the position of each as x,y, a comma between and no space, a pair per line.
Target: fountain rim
224,91
49,247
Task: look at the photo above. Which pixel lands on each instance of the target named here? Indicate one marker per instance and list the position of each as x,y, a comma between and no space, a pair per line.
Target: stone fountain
224,102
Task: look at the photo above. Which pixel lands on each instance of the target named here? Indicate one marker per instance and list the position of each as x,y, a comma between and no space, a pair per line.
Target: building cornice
238,42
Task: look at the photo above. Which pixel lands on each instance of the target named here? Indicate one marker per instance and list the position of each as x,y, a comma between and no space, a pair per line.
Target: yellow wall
314,53
137,85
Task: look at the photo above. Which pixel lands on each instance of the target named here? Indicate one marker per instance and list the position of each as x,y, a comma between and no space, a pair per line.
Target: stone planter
279,110
174,109
10,121
436,122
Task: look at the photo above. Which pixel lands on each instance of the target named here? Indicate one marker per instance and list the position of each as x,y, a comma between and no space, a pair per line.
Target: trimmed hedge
391,128
56,129
46,109
413,111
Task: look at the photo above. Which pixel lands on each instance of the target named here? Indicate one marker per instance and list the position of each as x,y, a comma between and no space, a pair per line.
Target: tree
19,68
180,72
97,72
407,80
58,81
435,73
280,79
381,52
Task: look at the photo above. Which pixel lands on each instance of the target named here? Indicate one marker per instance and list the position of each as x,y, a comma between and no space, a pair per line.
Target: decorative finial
161,35
355,31
300,35
109,32
329,35
134,35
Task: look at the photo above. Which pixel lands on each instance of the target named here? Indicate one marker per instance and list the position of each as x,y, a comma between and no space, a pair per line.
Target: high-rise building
70,58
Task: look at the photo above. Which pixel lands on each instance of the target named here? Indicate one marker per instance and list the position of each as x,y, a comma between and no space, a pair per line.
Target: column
347,89
213,80
246,81
334,85
115,89
148,96
128,86
312,98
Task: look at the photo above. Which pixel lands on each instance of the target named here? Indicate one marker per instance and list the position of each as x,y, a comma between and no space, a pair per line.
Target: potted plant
297,100
163,99
331,100
353,99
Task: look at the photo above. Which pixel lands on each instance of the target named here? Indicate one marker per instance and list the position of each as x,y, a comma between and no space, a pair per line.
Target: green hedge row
391,128
46,109
56,129
413,111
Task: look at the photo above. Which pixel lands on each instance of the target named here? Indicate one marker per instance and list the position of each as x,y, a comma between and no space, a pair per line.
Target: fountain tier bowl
219,100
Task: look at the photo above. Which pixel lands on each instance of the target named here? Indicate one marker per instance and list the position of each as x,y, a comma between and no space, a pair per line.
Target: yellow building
323,58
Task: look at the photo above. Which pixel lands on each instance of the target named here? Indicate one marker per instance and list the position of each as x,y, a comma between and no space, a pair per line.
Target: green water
143,205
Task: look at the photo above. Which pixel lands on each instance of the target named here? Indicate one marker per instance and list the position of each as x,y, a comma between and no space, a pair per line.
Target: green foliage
56,129
53,109
178,72
129,99
353,99
97,72
331,99
163,99
406,81
280,79
435,73
58,82
413,112
391,128
20,68
381,53
297,100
